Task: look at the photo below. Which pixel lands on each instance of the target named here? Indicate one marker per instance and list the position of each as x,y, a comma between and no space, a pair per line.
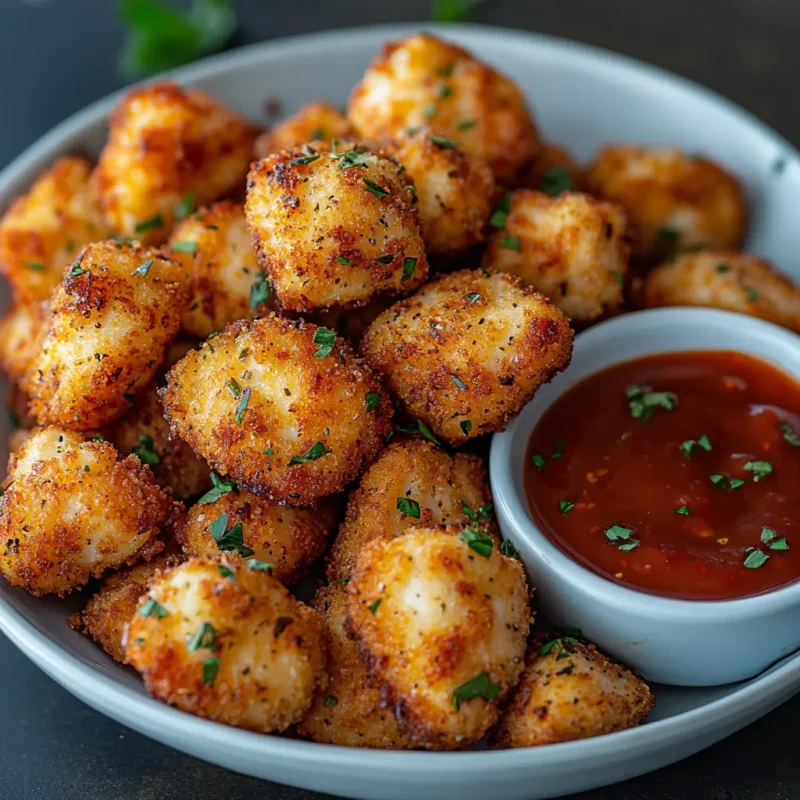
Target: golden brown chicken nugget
317,121
22,331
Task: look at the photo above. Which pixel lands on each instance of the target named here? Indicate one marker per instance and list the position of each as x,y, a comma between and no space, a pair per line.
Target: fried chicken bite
673,200
334,227
112,606
117,308
243,524
168,149
454,189
412,484
424,80
144,431
45,228
317,121
728,280
22,331
284,408
222,639
568,691
213,246
468,351
442,618
348,711
73,509
571,248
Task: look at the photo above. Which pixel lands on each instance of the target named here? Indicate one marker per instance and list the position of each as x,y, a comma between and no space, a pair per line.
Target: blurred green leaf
161,37
452,10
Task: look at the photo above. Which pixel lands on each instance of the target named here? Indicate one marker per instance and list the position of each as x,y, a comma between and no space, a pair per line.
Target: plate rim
73,672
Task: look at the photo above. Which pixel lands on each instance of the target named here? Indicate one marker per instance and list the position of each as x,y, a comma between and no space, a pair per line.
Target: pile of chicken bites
235,355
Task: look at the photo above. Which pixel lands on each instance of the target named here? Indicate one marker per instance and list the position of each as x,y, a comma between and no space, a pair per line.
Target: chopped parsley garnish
725,482
312,454
472,297
555,181
558,451
143,268
260,291
420,427
350,158
268,452
458,382
408,507
479,686
153,609
387,259
259,566
621,535
444,142
429,111
183,208
184,247
511,243
219,489
373,606
330,700
643,401
309,157
233,387
76,270
145,450
210,670
790,435
446,71
344,261
156,221
479,541
565,506
561,647
226,572
507,549
371,400
35,266
682,510
500,214
373,187
484,511
466,426
760,469
770,538
703,442
205,637
466,124
325,338
229,539
409,265
723,268
667,240
751,295
756,558
539,461
445,91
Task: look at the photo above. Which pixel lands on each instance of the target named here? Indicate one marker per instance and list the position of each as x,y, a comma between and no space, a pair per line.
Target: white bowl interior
582,98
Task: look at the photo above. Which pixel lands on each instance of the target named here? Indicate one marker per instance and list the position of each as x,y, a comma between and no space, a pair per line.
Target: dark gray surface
57,56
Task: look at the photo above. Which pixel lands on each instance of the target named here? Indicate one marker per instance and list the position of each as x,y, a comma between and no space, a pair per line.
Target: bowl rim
123,701
514,507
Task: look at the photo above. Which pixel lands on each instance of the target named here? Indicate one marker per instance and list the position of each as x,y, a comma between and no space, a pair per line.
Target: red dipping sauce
677,475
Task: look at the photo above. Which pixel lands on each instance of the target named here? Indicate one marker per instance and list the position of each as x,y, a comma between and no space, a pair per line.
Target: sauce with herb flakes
677,475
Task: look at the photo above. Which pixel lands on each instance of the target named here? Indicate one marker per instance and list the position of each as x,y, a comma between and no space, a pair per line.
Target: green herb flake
373,188
615,532
184,247
458,382
756,558
409,265
507,549
219,489
556,180
371,401
619,277
466,124
539,461
312,454
387,259
210,670
723,268
259,291
444,143
779,544
145,450
643,401
760,469
682,510
790,435
268,452
226,572
309,158
511,243
204,638
724,482
232,385
466,426
472,297
156,221
558,450
153,609
500,213
429,112
479,686
325,338
751,295
344,261
408,507
76,270
374,605
183,208
420,427
479,541
703,442
667,240
565,506
143,268
259,566
229,539
35,266
330,700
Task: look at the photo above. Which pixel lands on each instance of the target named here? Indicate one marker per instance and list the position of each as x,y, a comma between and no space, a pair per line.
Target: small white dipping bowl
681,642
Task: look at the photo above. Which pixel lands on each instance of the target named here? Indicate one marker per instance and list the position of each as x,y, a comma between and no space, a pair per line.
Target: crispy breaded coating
213,246
241,523
552,170
116,310
17,403
569,690
73,509
17,439
468,351
728,280
169,148
144,431
348,711
22,331
282,407
571,248
443,625
43,229
441,489
317,121
112,606
222,639
454,190
424,80
334,227
673,200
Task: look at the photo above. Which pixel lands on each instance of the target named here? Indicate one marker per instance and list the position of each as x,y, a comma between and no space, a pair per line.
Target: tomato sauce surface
677,475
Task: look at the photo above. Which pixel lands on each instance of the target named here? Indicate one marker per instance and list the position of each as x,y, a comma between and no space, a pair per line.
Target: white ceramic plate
582,98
